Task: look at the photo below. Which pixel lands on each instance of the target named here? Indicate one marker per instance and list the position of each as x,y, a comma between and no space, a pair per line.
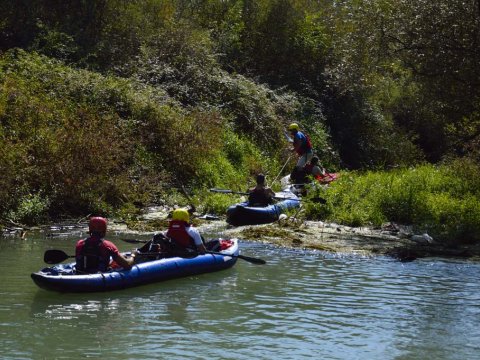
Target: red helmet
98,225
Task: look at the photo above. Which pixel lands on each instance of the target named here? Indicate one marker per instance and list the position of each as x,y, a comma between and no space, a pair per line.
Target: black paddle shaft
243,257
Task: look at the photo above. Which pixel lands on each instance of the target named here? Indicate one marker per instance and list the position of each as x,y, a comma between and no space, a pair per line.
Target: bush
91,143
32,210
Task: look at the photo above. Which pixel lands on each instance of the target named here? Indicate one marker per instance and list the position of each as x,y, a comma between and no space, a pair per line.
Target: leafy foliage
153,95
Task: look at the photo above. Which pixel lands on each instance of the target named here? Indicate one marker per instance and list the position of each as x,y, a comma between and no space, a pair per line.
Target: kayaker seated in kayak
94,254
181,239
260,195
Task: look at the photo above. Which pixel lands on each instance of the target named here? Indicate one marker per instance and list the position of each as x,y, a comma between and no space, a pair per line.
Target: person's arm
271,194
197,238
317,170
297,143
123,261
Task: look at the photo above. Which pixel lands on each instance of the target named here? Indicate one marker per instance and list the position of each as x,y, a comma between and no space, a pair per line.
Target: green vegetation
440,200
106,106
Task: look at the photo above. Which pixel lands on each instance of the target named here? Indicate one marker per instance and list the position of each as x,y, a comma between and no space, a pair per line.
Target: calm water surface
301,305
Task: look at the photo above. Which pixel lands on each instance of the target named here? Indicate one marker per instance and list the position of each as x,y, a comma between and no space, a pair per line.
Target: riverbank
391,239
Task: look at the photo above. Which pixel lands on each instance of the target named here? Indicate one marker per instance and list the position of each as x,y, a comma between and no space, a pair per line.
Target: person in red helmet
94,254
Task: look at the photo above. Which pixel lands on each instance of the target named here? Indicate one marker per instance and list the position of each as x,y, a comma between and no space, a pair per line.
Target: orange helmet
97,225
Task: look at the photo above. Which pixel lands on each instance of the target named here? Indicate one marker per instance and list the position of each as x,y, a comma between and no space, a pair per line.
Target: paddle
252,260
55,256
283,167
226,191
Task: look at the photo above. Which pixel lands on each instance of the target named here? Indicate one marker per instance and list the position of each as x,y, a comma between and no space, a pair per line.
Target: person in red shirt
94,254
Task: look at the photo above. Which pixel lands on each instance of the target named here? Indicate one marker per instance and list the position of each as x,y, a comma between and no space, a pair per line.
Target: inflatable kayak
243,214
63,277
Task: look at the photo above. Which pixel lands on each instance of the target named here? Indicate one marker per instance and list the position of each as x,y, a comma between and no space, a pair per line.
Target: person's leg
302,160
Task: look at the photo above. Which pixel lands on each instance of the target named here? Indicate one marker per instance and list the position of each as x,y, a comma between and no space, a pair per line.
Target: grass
441,200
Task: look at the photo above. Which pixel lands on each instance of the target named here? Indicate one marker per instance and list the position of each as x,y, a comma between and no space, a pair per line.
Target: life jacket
308,171
257,197
91,259
306,145
177,231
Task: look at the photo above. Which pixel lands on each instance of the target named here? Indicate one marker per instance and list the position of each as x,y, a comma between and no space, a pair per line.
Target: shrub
32,210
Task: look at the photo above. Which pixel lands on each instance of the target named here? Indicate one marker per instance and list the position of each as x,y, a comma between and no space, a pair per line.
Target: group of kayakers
307,167
94,254
307,164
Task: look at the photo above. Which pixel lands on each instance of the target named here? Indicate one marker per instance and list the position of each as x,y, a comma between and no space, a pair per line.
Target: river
300,305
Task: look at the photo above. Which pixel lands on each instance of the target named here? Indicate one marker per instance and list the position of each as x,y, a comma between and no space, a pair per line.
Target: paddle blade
227,191
55,256
252,260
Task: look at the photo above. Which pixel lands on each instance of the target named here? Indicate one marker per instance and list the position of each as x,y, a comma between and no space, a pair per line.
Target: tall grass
441,200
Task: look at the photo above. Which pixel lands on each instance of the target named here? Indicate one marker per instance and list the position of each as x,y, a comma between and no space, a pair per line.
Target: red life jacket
177,231
308,144
305,146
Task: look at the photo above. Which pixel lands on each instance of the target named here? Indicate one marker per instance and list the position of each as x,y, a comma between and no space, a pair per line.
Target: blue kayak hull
242,214
57,278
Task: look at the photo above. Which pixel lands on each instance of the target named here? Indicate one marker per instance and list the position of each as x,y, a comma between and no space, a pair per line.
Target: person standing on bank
260,195
94,254
301,145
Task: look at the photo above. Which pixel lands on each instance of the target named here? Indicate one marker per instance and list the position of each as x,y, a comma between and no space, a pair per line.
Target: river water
300,305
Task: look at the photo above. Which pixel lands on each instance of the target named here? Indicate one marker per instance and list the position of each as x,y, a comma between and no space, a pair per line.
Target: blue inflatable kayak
63,278
242,214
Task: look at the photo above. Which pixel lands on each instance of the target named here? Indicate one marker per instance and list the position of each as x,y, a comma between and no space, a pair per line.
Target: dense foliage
110,103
